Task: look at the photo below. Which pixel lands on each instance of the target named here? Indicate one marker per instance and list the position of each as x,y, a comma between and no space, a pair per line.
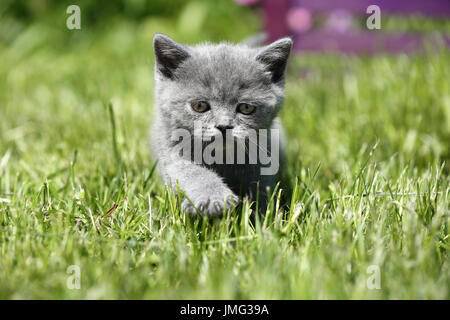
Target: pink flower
299,19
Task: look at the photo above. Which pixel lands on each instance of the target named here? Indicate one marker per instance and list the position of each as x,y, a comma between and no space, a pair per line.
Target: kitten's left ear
275,57
169,54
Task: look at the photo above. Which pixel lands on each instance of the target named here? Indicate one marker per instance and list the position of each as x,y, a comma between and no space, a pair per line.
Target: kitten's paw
210,205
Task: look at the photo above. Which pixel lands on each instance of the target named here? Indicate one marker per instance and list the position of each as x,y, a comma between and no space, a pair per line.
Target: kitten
231,90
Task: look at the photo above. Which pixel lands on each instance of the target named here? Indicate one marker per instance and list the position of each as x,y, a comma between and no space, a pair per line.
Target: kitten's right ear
275,57
169,54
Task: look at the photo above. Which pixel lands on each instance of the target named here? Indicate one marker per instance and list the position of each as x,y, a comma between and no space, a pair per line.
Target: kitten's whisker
260,147
246,149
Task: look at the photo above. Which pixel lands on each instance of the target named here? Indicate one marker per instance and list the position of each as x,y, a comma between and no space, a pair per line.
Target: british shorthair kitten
221,95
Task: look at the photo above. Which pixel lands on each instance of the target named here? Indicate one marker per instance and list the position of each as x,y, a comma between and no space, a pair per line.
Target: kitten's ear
275,57
169,54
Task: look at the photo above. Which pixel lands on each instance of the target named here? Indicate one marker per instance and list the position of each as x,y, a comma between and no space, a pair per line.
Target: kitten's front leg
205,189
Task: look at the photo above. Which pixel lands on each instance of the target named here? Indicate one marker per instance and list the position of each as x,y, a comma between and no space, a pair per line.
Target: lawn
368,168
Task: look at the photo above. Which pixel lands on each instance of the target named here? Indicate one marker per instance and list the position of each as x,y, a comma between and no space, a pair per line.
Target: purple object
424,7
362,42
340,34
275,18
340,21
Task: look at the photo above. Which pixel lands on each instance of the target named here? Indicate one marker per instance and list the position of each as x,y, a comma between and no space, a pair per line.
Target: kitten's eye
201,106
245,108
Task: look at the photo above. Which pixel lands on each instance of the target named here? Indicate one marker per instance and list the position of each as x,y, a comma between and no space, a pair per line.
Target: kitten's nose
223,128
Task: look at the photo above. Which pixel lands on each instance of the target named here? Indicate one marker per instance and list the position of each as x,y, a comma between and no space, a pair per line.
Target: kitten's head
224,86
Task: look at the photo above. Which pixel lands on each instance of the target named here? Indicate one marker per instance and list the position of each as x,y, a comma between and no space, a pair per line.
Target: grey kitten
230,89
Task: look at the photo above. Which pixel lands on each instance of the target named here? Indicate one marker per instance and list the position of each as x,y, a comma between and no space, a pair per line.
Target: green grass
368,159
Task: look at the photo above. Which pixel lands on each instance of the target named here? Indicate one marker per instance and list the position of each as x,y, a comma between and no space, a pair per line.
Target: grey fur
224,75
